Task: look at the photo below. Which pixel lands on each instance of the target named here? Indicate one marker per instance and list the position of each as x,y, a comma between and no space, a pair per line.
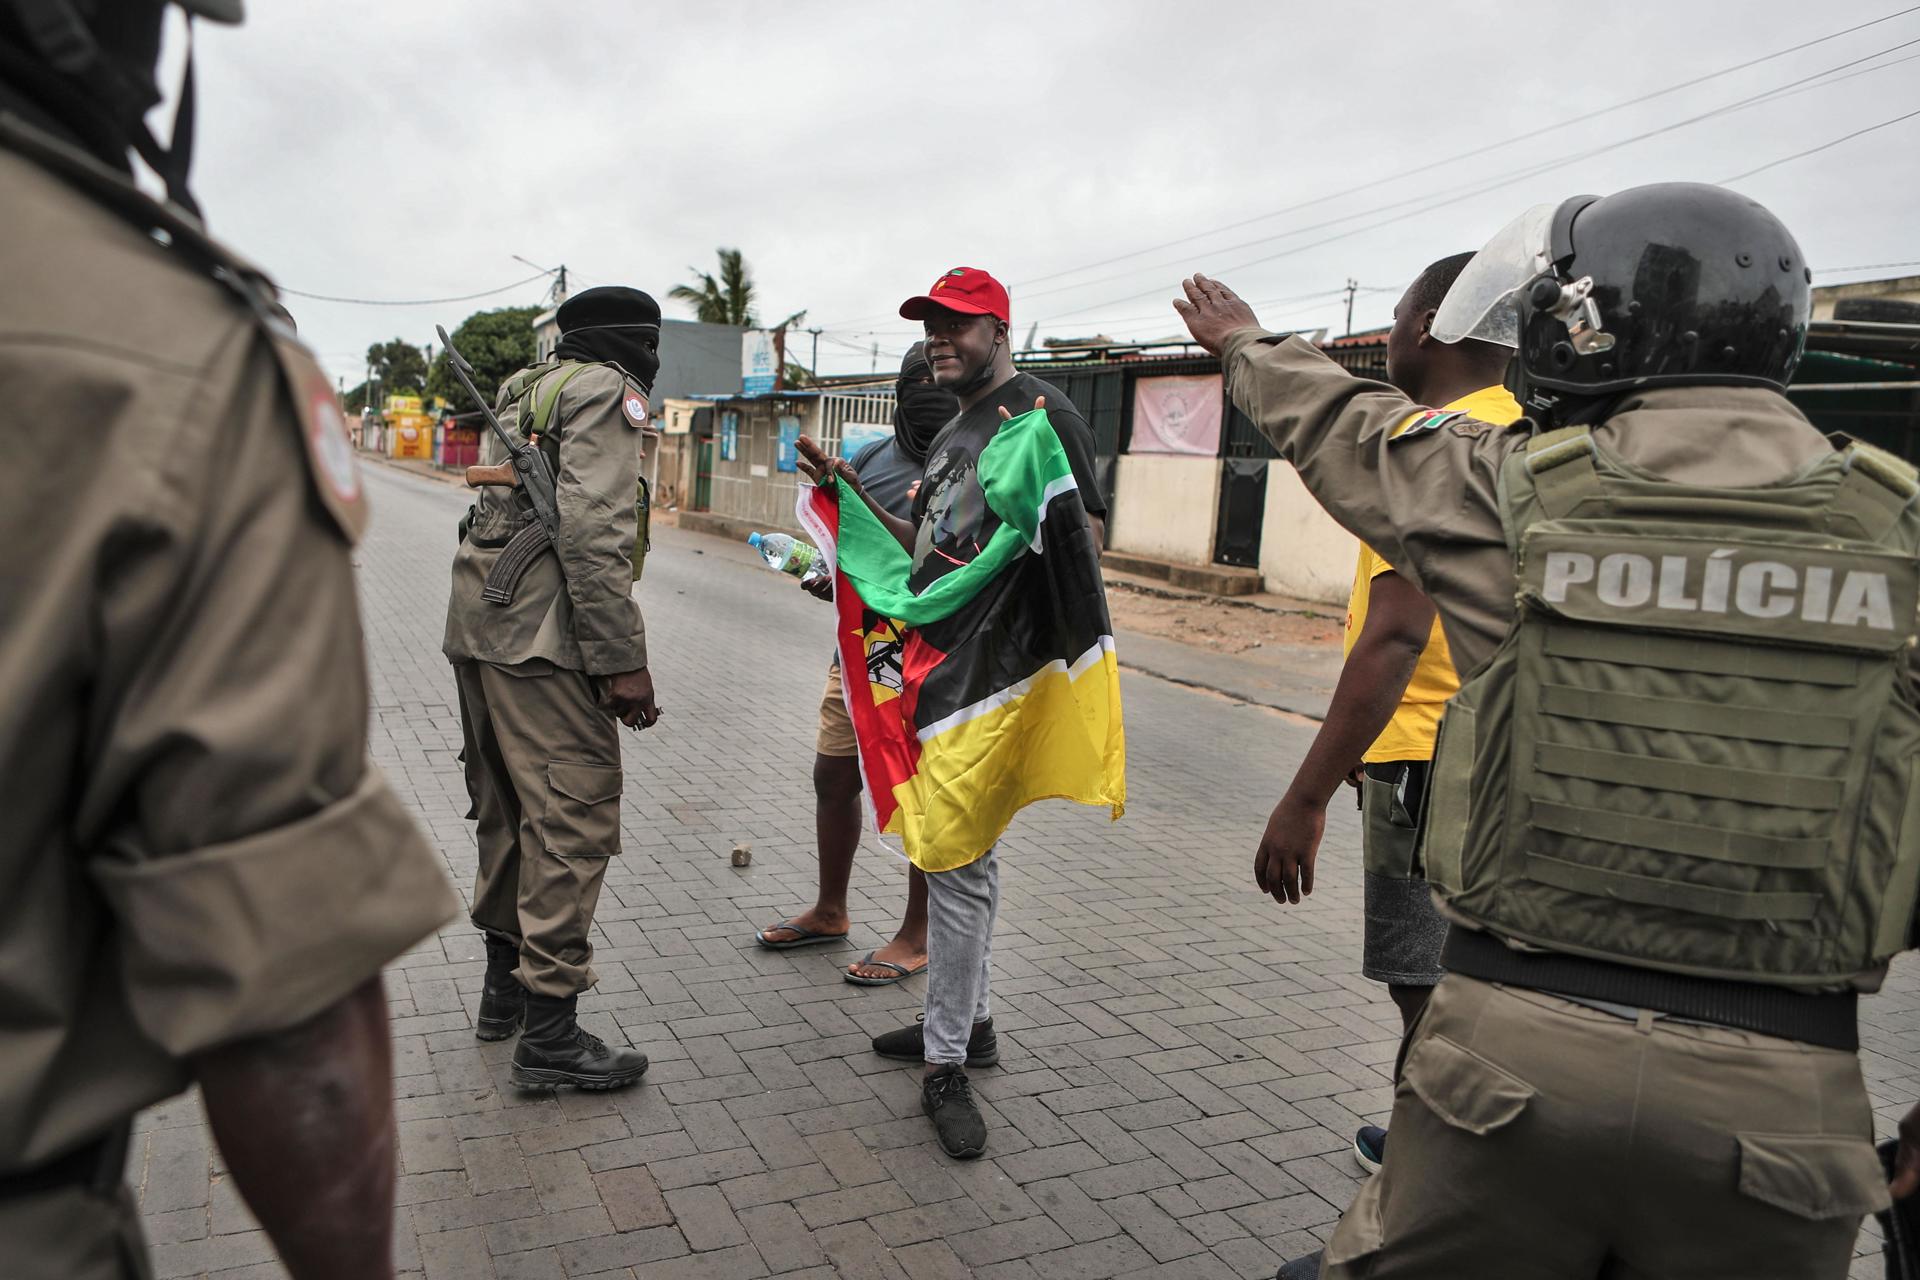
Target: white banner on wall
758,362
1177,415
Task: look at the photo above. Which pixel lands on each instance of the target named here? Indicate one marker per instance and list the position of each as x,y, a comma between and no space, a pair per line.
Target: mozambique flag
996,685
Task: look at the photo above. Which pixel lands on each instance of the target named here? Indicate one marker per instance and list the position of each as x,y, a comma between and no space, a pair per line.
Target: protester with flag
982,630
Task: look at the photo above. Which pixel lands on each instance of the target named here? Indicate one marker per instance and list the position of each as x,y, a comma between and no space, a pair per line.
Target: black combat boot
554,1050
502,999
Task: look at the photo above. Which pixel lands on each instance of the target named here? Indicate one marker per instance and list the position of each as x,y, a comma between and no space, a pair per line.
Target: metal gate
869,414
1243,510
703,478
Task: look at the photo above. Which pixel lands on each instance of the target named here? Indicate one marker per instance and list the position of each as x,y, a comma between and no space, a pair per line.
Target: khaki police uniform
542,758
1560,1135
1400,943
196,849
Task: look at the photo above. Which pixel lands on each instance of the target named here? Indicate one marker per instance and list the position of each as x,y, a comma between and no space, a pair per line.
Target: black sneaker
1307,1268
909,1044
1370,1147
947,1098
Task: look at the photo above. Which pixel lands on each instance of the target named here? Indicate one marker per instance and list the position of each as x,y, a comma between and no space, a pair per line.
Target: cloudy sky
1089,154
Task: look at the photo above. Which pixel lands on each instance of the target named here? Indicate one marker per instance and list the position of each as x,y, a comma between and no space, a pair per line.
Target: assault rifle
526,469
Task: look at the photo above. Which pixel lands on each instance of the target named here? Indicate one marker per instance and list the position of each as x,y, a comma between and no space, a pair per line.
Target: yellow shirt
1409,735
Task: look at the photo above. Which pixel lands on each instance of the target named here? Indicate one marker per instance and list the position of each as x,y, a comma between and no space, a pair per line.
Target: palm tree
726,300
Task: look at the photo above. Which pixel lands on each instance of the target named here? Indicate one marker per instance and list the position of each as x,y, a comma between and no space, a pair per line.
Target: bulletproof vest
1697,750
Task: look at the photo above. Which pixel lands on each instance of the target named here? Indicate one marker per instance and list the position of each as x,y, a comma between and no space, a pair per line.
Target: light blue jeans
961,907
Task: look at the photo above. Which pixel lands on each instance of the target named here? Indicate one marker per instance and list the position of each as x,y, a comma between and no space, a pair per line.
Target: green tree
398,366
394,368
496,343
727,299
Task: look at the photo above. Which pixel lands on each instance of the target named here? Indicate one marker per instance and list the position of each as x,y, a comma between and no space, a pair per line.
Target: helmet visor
1484,303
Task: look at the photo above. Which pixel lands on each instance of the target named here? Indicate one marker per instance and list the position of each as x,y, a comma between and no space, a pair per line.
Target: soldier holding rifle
549,651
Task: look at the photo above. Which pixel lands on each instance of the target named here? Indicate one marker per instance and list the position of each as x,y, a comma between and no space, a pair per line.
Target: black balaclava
920,408
86,71
612,324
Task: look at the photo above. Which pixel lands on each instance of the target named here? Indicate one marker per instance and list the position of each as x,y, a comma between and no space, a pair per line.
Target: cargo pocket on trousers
1463,1088
1359,1231
1813,1176
583,809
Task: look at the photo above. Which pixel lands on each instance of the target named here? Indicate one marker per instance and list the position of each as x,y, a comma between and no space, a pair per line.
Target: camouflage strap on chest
531,543
544,392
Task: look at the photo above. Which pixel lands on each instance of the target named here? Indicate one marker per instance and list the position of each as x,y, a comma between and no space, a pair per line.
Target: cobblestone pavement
1183,1062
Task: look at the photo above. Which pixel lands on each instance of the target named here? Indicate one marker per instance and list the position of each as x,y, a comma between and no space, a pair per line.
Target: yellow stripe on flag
1055,736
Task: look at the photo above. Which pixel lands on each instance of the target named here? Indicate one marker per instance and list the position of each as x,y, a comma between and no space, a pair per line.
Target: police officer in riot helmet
1679,284
1669,819
204,875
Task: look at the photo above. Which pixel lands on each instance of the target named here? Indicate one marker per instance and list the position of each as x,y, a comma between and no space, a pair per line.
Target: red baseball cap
968,290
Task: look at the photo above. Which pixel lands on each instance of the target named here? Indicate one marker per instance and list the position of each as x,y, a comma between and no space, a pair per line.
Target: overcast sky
396,149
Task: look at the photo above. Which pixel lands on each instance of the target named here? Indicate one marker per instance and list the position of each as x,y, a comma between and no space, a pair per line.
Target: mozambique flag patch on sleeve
996,685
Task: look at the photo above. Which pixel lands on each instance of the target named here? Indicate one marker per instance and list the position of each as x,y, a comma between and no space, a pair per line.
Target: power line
1799,155
1865,266
1468,191
412,302
1455,159
1482,150
1323,295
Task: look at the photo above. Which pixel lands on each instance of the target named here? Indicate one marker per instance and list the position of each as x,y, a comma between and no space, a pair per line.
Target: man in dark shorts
889,471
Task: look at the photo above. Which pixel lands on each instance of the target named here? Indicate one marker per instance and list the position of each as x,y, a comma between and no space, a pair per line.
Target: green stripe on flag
1022,468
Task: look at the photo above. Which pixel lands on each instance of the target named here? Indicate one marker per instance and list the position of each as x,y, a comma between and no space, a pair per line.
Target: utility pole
876,359
1353,287
557,292
814,368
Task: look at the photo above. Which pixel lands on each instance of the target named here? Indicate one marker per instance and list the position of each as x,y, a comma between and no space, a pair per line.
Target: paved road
1183,1063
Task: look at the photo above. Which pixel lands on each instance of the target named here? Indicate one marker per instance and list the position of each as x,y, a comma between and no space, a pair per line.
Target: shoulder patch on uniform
1427,420
634,405
336,472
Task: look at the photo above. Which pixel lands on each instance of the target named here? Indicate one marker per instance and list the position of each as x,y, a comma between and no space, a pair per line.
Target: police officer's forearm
304,1119
597,566
1369,690
1330,425
607,624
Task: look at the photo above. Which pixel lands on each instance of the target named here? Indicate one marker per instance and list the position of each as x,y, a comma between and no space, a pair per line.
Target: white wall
1303,553
1165,506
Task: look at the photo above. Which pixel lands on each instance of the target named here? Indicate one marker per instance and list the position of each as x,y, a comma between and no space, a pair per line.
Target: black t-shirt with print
952,519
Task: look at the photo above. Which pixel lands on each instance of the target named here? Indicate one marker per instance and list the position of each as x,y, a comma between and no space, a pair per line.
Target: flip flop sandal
900,972
807,938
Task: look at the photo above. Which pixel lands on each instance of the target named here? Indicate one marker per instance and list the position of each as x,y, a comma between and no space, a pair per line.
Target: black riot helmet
1673,284
91,65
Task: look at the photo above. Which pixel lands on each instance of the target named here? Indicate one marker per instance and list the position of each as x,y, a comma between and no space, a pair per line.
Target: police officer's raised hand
1212,311
629,699
1283,866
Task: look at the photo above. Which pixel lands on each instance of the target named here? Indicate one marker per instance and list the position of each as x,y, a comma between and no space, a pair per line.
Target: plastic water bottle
788,555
